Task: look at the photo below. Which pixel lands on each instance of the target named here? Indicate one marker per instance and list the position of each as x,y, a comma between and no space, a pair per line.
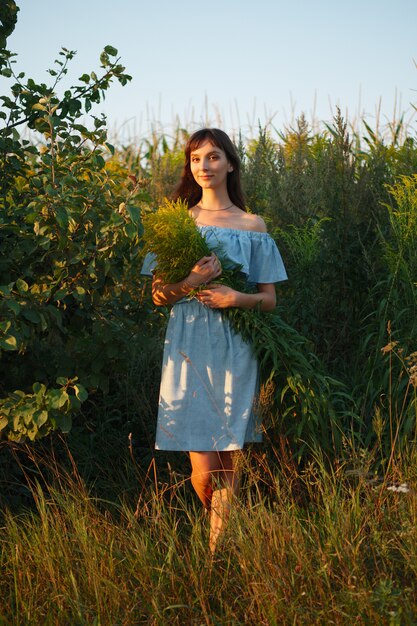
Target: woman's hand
204,271
217,296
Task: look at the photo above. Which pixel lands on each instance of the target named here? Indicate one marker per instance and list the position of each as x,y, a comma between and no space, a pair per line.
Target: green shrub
69,257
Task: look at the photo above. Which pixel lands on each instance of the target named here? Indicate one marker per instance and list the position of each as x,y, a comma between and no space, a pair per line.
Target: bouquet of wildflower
172,236
304,395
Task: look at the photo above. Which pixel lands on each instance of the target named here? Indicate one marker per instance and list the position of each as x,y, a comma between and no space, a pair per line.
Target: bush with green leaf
34,415
69,255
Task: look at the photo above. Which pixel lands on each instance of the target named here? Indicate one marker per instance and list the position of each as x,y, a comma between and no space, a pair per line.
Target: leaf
9,344
81,393
134,213
99,161
111,51
75,403
39,390
14,306
3,422
40,418
22,285
104,59
62,217
32,432
17,423
131,231
57,398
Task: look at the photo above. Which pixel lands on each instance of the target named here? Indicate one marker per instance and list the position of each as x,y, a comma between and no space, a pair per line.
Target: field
98,528
314,546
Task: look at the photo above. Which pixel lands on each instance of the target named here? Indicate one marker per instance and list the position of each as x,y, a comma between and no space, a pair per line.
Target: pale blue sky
232,62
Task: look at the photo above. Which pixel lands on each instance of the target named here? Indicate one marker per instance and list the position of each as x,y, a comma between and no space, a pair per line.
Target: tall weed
344,553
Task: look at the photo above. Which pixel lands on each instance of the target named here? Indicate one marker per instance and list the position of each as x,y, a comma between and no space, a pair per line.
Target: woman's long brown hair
188,189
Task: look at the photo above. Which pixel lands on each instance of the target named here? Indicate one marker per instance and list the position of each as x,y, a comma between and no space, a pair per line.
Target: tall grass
318,546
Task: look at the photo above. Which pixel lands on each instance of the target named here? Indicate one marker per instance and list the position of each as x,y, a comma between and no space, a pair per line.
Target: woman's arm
169,294
204,271
222,297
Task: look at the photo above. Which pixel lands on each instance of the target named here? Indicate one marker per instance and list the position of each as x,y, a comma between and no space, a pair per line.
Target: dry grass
318,546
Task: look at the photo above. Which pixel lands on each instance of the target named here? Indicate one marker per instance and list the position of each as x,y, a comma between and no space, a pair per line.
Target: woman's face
209,166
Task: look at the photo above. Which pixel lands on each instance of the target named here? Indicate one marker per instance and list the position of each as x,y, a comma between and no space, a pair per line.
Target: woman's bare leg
203,465
222,497
215,481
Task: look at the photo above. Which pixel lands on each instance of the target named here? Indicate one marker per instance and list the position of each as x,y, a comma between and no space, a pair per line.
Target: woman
209,374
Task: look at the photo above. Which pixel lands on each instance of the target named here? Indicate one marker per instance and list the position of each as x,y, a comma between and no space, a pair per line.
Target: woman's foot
219,515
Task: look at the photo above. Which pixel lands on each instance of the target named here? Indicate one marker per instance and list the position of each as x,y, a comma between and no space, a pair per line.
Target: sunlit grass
318,546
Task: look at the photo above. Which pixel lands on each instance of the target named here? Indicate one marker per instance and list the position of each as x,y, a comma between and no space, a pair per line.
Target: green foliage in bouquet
307,401
171,235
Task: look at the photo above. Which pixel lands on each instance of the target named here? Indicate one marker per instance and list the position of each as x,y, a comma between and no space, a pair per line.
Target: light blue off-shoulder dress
209,374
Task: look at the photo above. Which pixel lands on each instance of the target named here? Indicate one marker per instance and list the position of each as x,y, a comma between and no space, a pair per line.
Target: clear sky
232,63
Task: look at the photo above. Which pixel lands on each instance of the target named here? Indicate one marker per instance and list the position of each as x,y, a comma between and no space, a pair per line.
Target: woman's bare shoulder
255,222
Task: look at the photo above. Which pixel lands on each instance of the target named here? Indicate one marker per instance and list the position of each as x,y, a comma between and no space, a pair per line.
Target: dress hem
230,448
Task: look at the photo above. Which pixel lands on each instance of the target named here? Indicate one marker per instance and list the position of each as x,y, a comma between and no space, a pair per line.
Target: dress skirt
209,383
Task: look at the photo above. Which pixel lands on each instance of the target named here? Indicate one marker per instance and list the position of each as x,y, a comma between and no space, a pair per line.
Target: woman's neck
213,200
